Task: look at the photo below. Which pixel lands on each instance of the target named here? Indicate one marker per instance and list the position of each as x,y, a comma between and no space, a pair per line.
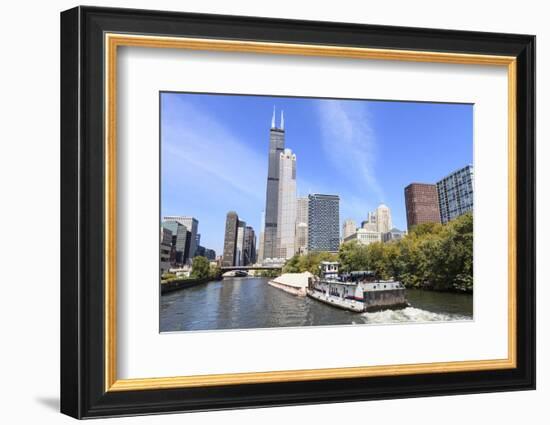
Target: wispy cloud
207,170
207,151
349,142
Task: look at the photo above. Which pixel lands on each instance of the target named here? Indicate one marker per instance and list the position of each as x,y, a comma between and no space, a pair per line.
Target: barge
293,283
358,291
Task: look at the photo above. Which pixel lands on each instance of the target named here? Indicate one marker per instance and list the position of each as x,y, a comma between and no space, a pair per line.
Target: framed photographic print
261,212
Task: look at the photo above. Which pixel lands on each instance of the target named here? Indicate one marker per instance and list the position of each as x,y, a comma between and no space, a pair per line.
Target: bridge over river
247,268
231,271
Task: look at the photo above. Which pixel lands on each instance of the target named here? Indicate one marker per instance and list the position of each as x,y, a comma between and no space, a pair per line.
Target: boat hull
384,300
357,291
345,304
398,306
391,299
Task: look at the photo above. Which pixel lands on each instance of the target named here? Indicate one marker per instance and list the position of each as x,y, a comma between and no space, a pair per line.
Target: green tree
293,265
459,246
269,273
379,260
215,271
432,256
200,267
353,257
308,262
394,263
426,228
313,260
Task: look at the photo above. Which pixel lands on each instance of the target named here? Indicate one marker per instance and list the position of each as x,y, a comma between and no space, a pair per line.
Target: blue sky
214,153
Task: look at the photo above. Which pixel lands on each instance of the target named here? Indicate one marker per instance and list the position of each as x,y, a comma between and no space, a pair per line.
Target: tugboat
358,291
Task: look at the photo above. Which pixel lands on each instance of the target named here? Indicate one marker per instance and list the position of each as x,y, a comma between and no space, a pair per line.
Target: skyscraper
165,249
456,193
349,228
239,250
230,239
286,216
370,223
179,240
422,204
187,251
210,254
192,225
323,223
383,218
249,246
301,224
371,218
276,147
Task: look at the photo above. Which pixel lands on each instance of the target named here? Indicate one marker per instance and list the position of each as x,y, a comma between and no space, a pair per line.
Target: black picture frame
83,392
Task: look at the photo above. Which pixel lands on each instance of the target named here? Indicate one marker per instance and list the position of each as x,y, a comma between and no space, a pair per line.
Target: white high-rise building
364,237
286,216
371,227
302,211
239,251
372,218
349,228
370,223
383,219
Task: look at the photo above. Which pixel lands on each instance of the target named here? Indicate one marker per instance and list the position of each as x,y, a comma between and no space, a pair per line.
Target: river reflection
249,302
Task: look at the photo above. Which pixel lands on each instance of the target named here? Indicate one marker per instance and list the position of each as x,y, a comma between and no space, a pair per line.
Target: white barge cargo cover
294,283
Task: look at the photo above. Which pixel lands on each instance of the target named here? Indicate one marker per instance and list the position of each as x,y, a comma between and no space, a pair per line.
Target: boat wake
411,314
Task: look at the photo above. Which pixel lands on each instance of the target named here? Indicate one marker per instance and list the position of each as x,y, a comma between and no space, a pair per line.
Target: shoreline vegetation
431,256
182,283
268,273
201,272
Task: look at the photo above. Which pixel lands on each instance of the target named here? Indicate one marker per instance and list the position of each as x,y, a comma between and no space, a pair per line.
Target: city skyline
214,153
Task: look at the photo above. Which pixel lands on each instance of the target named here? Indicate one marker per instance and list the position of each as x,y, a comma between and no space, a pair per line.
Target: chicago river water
249,302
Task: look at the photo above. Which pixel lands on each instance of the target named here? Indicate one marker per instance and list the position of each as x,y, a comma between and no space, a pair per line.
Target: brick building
422,204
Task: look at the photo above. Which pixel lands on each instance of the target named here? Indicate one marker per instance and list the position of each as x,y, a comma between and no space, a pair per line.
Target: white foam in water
410,314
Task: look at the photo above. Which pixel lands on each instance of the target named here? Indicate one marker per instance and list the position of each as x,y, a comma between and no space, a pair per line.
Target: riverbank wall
177,284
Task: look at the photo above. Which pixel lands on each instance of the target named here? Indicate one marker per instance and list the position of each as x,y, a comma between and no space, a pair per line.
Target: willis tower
276,147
